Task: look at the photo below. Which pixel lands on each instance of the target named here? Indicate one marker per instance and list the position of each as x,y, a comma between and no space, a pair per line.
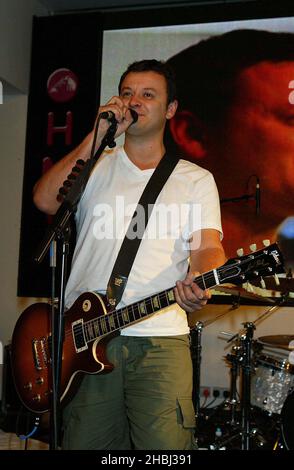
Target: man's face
257,137
146,93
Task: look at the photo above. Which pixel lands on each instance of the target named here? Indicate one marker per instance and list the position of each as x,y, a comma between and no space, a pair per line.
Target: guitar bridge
40,353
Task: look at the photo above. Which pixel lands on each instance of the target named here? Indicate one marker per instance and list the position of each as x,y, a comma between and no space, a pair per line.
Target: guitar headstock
265,262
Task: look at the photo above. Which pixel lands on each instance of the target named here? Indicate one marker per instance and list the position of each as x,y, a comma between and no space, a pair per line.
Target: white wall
15,40
15,48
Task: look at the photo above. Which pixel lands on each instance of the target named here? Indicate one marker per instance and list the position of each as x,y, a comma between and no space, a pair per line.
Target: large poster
235,84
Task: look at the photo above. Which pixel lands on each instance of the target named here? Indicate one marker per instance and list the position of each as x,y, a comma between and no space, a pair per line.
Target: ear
187,131
171,109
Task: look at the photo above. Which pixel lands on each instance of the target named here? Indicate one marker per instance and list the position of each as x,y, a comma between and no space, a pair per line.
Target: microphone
257,197
110,116
134,115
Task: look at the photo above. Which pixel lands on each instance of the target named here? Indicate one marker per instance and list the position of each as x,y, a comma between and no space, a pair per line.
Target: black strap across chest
130,245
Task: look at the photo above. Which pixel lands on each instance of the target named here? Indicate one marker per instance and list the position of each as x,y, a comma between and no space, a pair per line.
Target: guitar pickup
79,335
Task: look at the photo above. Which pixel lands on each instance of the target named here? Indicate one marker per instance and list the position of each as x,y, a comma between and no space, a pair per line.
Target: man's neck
144,154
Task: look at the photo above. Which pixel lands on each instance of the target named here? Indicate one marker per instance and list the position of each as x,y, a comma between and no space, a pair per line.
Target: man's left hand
189,296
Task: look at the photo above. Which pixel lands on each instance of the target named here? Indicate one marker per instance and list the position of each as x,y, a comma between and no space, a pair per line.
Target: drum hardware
234,359
241,358
246,384
196,348
242,425
245,424
245,339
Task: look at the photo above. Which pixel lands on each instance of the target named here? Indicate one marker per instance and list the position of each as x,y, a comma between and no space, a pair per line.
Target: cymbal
278,341
241,292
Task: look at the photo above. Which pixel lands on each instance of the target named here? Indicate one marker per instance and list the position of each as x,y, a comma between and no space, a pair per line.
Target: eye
126,94
287,118
148,94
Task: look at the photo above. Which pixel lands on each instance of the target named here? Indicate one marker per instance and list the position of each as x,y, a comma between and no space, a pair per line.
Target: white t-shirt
187,203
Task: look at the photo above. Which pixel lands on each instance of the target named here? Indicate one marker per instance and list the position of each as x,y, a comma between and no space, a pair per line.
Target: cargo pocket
186,415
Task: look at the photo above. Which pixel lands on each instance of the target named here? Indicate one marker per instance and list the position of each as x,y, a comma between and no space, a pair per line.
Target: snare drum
272,379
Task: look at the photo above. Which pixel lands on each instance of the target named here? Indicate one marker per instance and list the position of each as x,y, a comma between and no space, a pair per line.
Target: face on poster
251,150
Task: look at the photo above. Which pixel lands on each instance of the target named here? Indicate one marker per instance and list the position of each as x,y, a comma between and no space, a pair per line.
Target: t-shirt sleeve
205,206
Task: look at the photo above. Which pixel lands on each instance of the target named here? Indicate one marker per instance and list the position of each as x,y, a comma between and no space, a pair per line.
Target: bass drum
287,422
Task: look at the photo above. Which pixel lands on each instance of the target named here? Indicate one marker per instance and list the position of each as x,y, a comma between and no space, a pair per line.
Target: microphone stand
195,334
247,197
244,197
59,230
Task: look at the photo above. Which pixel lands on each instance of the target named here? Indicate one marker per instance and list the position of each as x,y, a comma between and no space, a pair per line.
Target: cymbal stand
241,359
234,359
246,340
196,334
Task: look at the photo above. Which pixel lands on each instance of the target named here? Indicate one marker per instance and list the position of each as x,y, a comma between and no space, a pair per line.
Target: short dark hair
152,65
206,73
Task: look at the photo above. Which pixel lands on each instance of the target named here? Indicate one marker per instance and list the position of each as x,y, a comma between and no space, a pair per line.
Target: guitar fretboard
118,319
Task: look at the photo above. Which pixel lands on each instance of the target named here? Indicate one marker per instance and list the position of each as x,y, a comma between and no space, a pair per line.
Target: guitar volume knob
28,386
37,398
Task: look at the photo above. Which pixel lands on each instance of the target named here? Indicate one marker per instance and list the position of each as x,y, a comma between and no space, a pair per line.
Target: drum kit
261,416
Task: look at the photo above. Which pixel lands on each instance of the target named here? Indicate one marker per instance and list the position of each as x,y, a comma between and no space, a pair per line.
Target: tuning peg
253,247
61,194
277,280
63,191
60,198
240,252
266,242
262,283
76,169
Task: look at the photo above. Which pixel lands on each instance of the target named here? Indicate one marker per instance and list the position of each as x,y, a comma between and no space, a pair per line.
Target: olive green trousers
144,403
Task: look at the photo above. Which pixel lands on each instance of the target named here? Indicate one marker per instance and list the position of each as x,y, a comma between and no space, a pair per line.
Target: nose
134,102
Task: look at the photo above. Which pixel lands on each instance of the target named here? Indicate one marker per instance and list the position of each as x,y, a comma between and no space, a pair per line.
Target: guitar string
118,313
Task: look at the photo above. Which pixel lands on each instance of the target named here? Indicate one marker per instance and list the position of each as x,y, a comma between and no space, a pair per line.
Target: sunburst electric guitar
90,324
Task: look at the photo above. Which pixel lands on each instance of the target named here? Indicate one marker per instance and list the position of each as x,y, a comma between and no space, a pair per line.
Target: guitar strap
130,245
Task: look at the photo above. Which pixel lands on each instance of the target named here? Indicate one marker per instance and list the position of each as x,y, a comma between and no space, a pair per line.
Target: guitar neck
123,317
